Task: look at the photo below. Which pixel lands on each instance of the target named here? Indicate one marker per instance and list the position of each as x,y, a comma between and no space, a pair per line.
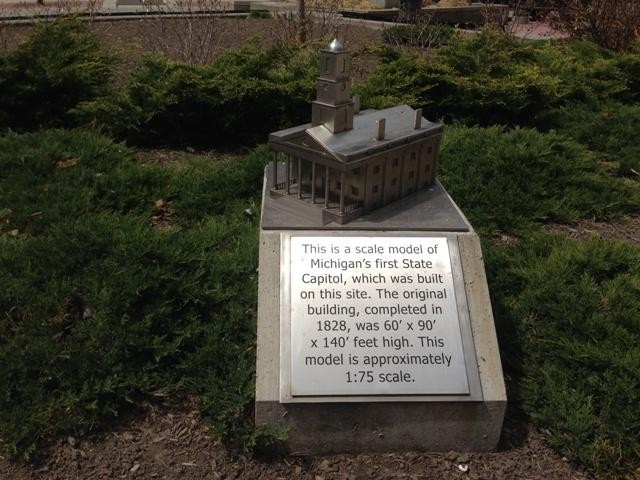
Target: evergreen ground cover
491,78
569,317
609,129
511,180
101,306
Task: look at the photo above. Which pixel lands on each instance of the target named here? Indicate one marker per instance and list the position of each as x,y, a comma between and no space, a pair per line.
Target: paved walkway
536,31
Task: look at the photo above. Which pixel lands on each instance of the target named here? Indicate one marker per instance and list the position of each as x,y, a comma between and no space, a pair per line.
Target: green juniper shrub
241,97
629,65
402,79
507,179
485,79
56,174
587,72
104,308
492,78
609,129
575,348
100,307
201,190
60,65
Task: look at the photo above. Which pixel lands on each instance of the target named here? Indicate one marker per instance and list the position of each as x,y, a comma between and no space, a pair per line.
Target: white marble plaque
374,316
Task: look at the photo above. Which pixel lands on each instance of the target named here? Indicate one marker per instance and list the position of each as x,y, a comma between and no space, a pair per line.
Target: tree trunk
302,21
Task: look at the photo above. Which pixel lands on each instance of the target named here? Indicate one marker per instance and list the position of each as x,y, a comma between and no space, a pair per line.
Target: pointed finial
335,46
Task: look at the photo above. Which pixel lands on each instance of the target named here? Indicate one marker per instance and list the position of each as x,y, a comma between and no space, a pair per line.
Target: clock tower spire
333,106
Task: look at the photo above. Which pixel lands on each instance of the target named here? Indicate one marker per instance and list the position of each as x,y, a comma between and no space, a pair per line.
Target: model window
344,65
411,174
374,189
355,190
430,150
427,167
413,155
376,169
394,181
395,162
338,185
356,171
326,65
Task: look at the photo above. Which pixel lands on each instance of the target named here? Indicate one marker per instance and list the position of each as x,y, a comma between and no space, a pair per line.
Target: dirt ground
172,442
624,230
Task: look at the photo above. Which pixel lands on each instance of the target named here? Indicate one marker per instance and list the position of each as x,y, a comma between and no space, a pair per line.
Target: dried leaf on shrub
62,164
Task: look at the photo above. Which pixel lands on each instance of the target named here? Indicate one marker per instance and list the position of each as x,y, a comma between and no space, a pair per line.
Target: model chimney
417,122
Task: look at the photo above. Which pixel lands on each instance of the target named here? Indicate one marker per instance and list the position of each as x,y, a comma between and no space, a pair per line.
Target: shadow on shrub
241,97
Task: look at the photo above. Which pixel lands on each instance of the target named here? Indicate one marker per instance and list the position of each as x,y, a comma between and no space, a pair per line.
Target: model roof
361,140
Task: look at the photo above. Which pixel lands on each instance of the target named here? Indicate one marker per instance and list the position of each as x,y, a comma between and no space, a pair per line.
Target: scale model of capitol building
348,162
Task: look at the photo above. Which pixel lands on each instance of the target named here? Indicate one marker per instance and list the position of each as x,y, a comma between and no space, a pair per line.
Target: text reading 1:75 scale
374,316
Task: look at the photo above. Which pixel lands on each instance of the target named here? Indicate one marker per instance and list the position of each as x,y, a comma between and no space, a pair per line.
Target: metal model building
349,162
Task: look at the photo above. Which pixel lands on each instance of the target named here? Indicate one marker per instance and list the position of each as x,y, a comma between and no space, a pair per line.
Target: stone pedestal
382,423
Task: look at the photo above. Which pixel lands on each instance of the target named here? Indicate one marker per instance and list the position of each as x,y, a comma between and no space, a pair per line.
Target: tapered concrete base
322,429
395,425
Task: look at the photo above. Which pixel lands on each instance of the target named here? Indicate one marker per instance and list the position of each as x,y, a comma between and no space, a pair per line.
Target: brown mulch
624,230
171,442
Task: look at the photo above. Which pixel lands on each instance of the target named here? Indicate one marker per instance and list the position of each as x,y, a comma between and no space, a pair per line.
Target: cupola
334,106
